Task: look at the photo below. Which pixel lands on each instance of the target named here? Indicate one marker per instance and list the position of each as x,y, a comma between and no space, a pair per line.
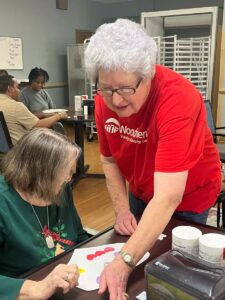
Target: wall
135,7
45,32
126,9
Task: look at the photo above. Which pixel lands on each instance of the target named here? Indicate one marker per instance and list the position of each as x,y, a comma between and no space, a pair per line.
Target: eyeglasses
123,91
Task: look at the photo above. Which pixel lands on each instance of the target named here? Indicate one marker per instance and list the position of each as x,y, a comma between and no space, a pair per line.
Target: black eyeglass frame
132,89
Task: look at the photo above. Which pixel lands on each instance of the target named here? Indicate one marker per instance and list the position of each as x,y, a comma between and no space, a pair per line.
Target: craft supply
211,248
186,238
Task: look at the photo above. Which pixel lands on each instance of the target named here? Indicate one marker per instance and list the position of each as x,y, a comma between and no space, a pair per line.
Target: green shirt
22,243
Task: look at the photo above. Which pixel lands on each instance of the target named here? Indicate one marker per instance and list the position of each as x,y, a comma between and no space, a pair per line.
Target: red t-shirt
168,134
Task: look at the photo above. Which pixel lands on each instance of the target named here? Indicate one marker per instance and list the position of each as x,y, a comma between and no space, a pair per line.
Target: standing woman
153,134
34,96
38,219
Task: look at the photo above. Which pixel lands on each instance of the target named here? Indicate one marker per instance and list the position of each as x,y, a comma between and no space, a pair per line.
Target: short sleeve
24,117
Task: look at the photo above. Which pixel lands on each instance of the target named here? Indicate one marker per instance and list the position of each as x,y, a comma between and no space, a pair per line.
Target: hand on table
125,223
63,276
63,115
114,278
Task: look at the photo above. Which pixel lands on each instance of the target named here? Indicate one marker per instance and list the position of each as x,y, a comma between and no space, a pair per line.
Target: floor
90,194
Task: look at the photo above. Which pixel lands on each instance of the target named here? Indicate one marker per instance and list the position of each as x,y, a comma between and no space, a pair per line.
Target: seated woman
38,219
34,96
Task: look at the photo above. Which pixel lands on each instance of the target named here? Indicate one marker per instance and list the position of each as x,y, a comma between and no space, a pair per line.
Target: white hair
122,45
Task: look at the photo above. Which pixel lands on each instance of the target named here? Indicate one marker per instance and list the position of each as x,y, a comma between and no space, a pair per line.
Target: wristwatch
127,258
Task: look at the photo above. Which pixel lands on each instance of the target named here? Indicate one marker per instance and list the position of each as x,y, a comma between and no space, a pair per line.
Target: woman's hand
114,278
62,115
125,223
63,276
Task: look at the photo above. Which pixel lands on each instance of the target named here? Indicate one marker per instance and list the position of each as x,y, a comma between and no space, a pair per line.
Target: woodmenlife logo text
132,135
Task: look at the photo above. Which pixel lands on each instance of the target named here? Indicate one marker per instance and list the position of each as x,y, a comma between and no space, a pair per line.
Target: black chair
6,142
58,127
5,139
215,131
221,149
221,210
91,129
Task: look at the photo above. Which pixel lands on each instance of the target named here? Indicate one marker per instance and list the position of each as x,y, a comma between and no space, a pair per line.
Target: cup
212,248
85,110
186,238
77,103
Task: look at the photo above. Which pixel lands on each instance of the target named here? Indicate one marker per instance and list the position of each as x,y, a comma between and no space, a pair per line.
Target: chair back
5,139
210,119
58,127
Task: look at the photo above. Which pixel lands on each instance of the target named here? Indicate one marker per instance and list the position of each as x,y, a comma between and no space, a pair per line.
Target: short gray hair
37,160
122,45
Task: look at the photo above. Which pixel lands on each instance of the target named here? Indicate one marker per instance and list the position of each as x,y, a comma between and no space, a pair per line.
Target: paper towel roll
77,103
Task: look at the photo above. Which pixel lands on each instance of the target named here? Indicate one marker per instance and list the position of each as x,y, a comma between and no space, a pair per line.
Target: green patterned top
22,242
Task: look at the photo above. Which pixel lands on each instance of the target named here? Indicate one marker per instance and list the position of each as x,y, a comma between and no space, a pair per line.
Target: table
78,120
136,282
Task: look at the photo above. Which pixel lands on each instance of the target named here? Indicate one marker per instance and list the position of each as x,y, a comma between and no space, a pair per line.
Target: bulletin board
11,53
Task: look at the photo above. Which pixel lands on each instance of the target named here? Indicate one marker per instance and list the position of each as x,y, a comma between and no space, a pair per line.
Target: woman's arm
168,192
125,221
50,121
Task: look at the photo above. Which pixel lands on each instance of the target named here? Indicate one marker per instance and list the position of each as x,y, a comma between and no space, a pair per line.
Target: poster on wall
11,53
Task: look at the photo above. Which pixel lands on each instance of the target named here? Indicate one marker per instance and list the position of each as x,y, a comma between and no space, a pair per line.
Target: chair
90,126
221,210
6,142
221,149
5,139
214,130
58,127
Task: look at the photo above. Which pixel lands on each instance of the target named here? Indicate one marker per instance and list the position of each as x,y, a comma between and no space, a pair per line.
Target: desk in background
136,283
78,120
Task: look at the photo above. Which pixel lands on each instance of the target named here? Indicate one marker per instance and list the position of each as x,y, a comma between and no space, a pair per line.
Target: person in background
35,96
3,73
18,118
38,219
153,133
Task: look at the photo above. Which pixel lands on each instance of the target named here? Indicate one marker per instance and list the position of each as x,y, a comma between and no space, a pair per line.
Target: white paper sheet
142,296
91,262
